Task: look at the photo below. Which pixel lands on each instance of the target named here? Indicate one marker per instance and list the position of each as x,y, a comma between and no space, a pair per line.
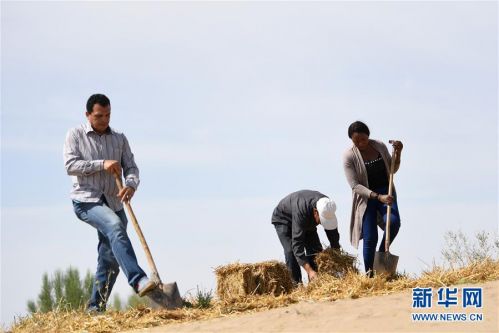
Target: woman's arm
353,177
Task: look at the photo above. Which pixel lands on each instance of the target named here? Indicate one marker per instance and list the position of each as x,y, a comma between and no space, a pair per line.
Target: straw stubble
325,287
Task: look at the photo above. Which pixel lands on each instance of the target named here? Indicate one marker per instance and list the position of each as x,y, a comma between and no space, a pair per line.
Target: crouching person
295,220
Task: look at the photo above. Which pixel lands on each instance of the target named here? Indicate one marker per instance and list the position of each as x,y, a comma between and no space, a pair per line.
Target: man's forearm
334,238
308,268
76,167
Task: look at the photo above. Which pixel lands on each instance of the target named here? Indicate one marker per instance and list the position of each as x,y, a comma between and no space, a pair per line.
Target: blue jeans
115,249
370,227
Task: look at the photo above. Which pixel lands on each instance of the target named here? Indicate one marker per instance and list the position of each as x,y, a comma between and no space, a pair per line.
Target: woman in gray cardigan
367,165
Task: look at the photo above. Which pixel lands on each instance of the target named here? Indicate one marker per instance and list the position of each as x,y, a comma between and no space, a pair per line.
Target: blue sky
230,106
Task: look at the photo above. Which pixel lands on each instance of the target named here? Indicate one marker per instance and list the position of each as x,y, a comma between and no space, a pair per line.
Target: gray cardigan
356,174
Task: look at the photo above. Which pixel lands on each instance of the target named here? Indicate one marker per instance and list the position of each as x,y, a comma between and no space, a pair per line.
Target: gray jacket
296,210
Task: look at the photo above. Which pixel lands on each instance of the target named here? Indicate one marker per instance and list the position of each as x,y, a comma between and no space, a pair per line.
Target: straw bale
241,280
335,262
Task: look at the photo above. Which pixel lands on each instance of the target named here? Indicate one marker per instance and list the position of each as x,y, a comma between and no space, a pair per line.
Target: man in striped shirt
93,153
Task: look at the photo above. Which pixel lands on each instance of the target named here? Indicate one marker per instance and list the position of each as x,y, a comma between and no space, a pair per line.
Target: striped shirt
84,155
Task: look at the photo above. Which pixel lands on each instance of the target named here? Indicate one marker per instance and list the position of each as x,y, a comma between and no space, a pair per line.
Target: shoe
145,285
94,310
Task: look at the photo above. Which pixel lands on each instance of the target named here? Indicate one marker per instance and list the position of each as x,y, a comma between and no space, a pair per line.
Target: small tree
45,300
58,283
64,291
32,307
88,285
73,288
134,301
117,302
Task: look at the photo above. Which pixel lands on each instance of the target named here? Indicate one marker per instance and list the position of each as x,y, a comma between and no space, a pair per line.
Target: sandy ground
390,313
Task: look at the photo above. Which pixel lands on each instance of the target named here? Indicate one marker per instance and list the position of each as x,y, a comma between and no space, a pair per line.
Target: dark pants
370,227
312,247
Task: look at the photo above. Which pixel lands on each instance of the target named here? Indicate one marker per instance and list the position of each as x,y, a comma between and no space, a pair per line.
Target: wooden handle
135,223
389,209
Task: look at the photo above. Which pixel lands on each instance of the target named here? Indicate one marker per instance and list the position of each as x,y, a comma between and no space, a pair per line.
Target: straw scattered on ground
325,287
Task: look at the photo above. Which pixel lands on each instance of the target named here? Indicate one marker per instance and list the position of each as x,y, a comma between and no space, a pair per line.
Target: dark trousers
370,227
312,247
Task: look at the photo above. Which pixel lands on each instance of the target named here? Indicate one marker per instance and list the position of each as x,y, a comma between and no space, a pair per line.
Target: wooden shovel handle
135,223
389,208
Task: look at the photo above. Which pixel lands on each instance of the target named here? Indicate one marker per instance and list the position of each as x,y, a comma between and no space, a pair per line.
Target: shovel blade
385,263
166,296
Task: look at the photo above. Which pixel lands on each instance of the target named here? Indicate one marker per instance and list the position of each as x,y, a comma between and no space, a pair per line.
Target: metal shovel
164,295
385,262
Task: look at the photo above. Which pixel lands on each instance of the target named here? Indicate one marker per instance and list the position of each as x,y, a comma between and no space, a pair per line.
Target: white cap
327,208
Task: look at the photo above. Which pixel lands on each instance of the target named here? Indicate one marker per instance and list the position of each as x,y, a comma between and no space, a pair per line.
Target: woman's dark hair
358,127
100,99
